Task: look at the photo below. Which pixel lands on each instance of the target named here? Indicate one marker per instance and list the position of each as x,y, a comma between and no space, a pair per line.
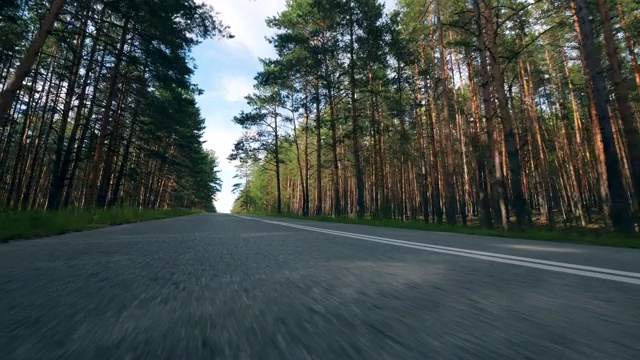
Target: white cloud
246,19
220,136
234,88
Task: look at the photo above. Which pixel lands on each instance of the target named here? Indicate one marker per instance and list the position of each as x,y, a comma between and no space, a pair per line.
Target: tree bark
496,175
277,160
318,151
28,59
450,189
623,106
57,176
480,146
620,210
354,122
510,142
95,173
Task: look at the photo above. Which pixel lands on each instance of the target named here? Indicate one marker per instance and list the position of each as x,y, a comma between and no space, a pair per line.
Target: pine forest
497,113
98,108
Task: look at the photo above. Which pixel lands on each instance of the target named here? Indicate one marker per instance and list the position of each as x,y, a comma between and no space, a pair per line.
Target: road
226,287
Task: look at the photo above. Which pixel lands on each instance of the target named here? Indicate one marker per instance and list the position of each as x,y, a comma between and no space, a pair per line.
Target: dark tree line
97,106
507,113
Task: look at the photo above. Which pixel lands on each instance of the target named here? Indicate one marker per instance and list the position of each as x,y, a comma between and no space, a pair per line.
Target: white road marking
590,271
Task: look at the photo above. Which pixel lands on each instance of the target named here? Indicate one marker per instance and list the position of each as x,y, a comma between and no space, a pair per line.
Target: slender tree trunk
77,123
20,157
95,173
621,92
102,199
277,160
466,203
354,121
318,152
28,59
45,141
620,210
423,181
580,145
298,159
77,154
540,150
450,189
494,164
115,193
18,168
605,200
480,146
337,209
431,137
305,206
574,171
511,145
57,176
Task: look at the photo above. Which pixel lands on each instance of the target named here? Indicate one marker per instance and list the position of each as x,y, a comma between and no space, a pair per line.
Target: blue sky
225,72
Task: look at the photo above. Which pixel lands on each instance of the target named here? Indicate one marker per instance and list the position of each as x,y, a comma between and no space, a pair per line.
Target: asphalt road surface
227,287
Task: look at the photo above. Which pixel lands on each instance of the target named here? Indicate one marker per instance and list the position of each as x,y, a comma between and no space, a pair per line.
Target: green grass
38,223
569,235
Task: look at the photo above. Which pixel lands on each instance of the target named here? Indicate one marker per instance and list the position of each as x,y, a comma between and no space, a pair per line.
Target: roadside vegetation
39,223
510,118
99,123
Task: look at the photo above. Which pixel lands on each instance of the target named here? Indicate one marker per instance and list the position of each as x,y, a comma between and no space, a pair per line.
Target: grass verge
569,235
37,223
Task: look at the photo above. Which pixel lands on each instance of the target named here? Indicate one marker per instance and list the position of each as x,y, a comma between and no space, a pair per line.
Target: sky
225,71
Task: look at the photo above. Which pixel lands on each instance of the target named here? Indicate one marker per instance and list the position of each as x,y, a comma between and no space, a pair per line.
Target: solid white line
519,258
595,272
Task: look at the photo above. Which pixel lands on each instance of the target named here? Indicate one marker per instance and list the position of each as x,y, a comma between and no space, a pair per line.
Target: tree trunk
480,146
431,136
511,145
540,150
496,175
423,181
57,176
318,151
450,189
28,59
125,156
621,92
337,209
306,200
354,121
277,160
298,159
620,210
102,198
600,161
94,174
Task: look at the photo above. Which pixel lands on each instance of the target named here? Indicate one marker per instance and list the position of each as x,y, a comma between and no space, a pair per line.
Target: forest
504,114
98,109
